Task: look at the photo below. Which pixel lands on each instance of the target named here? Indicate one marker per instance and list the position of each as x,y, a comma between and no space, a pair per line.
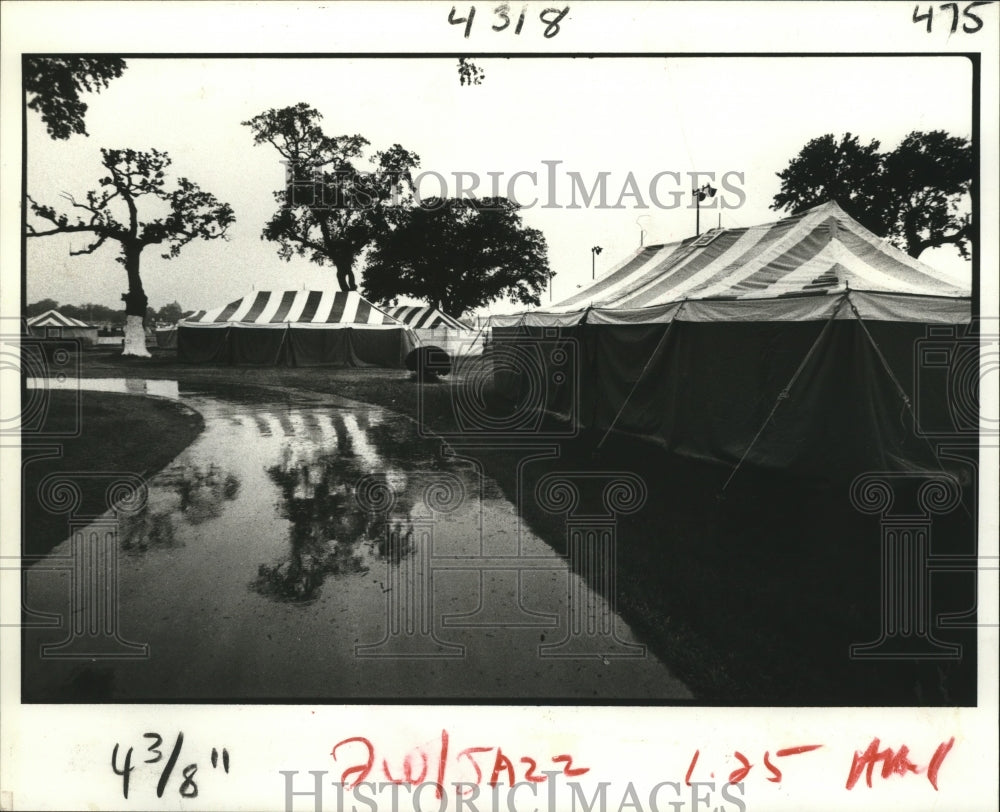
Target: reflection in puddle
123,386
330,533
311,459
291,502
183,492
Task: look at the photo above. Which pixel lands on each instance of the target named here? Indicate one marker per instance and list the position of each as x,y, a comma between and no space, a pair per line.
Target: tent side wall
86,335
167,339
709,387
454,342
294,346
350,347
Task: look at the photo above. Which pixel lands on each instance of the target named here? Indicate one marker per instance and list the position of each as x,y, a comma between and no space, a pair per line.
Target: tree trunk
135,307
343,259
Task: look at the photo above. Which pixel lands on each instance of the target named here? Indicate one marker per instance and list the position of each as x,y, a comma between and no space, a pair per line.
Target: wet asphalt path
302,550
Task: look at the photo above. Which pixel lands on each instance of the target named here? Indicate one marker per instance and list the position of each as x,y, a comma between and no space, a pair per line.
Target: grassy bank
751,599
117,434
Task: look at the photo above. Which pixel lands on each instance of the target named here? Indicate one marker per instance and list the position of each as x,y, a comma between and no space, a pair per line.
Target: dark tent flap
203,345
705,390
349,347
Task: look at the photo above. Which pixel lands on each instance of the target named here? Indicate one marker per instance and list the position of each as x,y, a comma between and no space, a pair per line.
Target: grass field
117,433
751,600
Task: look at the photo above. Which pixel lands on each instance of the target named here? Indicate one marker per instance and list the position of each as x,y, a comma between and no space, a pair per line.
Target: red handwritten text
470,764
894,763
739,774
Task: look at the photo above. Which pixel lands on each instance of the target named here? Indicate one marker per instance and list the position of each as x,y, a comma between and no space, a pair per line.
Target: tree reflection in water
195,492
330,533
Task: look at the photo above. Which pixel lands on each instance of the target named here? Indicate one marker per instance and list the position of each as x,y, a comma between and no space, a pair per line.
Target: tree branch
956,238
101,237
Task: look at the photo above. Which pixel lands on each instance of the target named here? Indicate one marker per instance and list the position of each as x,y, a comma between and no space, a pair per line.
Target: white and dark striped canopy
424,318
53,318
300,308
786,270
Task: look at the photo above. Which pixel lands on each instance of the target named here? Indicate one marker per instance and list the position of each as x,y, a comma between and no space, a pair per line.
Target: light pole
642,229
593,260
700,194
550,286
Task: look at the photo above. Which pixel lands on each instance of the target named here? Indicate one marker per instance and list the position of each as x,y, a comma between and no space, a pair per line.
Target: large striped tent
436,328
296,327
769,272
53,324
788,345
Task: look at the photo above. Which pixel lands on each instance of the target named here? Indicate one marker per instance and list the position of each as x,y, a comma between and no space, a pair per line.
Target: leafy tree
332,207
914,195
54,85
175,217
170,313
459,254
93,313
39,307
929,176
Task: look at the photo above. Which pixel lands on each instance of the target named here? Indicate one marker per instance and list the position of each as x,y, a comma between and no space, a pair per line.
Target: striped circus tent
303,308
53,324
768,272
296,327
789,345
432,327
53,318
424,317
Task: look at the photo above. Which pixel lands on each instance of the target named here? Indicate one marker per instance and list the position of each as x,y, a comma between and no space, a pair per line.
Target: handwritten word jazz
472,763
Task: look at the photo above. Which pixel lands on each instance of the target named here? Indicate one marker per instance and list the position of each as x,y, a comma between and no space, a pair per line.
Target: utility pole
593,260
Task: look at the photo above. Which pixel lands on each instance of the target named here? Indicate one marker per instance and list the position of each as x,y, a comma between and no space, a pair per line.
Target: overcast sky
640,115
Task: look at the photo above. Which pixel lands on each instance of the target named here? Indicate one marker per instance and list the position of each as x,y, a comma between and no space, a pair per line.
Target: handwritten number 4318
550,16
968,28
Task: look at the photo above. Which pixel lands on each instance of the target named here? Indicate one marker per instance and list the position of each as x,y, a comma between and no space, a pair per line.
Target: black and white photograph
510,374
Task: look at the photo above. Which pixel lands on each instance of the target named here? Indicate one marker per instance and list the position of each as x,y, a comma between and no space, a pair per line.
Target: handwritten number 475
977,21
550,16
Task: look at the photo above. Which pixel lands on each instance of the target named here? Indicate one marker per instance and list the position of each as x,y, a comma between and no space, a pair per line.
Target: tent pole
642,374
783,394
486,324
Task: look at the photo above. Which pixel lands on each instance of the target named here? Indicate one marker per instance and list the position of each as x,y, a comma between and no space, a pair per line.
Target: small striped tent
435,328
424,318
53,324
789,345
295,327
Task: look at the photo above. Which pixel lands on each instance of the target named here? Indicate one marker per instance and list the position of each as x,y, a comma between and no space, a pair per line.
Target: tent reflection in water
803,346
296,328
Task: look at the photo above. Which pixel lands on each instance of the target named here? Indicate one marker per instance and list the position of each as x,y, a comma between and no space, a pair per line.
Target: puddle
299,550
125,386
